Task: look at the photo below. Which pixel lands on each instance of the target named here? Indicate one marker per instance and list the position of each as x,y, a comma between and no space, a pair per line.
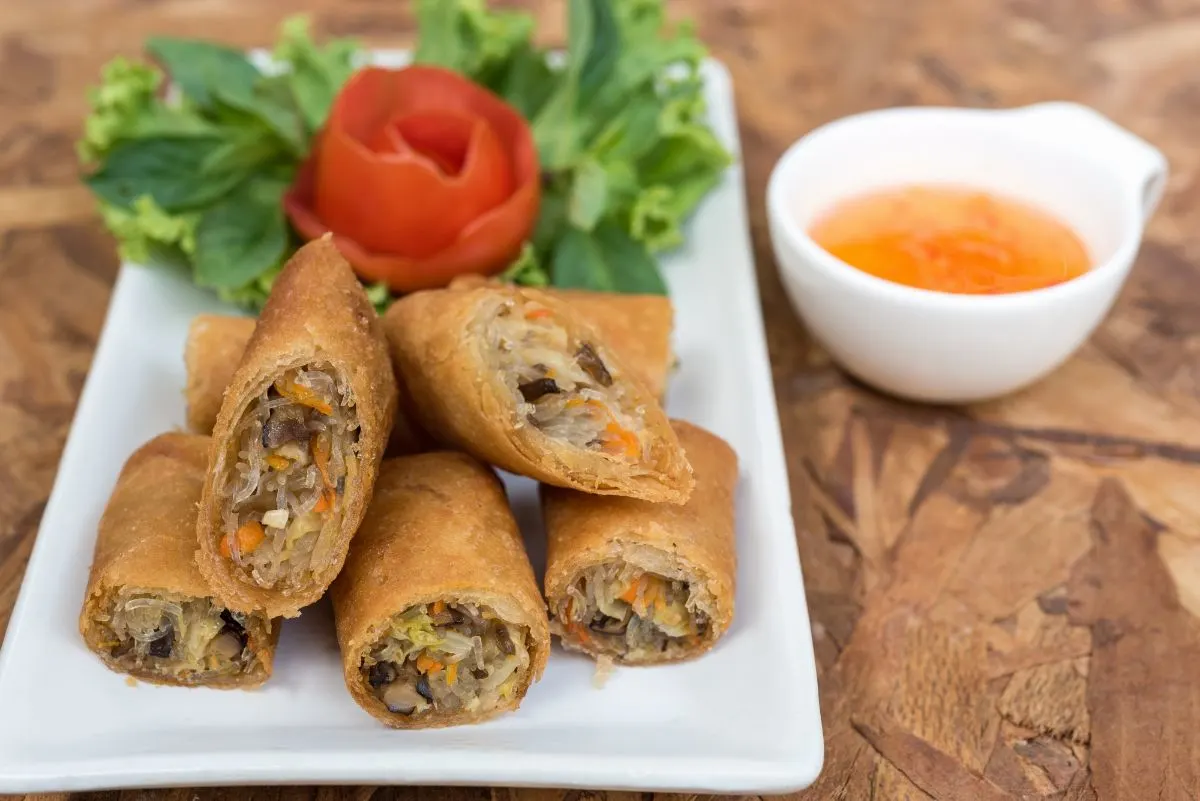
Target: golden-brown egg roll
645,583
635,327
298,440
438,613
519,379
147,611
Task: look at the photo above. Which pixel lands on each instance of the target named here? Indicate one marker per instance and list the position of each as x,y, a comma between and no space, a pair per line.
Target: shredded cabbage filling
296,445
190,640
447,657
562,386
622,610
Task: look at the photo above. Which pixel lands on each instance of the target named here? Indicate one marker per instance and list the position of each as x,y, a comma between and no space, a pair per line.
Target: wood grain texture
1004,597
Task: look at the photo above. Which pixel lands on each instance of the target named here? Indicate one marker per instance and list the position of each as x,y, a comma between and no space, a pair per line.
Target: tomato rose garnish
421,175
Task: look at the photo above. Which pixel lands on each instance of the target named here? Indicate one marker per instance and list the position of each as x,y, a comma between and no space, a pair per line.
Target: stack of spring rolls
337,451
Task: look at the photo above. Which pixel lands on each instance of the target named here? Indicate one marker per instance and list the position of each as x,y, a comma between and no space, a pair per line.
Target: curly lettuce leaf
145,232
467,37
125,107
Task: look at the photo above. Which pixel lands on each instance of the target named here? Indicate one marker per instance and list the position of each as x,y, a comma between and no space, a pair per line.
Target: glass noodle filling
185,639
295,445
447,657
620,609
561,384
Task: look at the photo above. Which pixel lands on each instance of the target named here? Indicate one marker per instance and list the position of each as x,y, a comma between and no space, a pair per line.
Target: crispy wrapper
693,542
317,312
438,343
214,348
439,528
635,327
146,542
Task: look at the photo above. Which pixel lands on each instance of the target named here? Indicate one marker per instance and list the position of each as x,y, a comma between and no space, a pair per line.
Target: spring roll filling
623,610
561,385
445,657
297,444
181,638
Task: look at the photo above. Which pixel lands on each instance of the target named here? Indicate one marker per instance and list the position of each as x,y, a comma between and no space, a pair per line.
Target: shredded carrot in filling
249,536
621,441
427,664
630,593
320,446
303,395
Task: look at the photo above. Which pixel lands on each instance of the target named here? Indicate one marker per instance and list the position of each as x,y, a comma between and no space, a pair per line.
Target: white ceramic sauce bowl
1063,158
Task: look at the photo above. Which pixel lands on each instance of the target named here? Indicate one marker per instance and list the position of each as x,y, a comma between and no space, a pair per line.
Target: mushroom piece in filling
185,639
621,610
296,445
446,657
561,385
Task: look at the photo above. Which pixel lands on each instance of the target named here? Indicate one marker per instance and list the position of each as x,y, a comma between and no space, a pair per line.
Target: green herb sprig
620,127
196,176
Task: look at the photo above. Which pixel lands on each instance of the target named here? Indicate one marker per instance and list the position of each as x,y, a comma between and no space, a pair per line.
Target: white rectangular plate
742,719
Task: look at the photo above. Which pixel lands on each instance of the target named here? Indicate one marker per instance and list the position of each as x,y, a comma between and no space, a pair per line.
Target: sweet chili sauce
950,239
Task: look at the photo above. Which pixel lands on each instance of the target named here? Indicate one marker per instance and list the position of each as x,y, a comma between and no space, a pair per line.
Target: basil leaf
552,216
630,133
270,102
315,74
557,128
632,267
529,81
607,261
201,68
578,264
243,236
603,47
589,194
171,170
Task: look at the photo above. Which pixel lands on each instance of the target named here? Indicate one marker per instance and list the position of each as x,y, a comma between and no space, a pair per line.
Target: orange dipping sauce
949,239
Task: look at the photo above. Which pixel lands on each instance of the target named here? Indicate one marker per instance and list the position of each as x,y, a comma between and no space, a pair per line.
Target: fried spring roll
438,613
298,440
517,378
148,612
645,583
635,327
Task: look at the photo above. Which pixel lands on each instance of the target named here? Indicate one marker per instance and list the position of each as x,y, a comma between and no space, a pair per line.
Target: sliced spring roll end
170,638
639,604
318,349
300,433
446,661
569,392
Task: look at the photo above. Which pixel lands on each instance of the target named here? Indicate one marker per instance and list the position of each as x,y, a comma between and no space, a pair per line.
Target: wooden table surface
1004,598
